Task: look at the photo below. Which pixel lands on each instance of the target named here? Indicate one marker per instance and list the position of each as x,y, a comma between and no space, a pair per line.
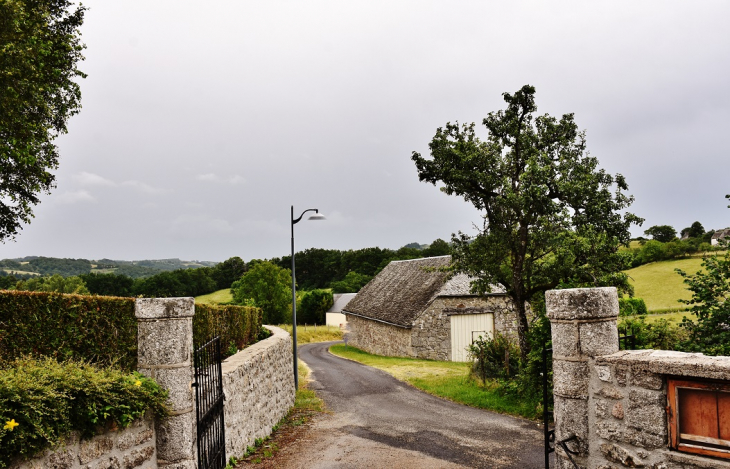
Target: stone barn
415,308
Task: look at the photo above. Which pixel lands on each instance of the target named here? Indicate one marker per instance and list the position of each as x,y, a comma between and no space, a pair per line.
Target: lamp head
317,216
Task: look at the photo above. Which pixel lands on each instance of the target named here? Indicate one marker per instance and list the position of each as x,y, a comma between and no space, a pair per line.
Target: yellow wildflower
138,383
11,424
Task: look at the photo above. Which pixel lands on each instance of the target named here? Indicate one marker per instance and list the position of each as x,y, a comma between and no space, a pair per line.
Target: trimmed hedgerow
96,329
237,326
42,401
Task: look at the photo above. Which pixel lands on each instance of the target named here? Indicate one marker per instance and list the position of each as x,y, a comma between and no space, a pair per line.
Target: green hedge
43,401
237,326
96,329
631,307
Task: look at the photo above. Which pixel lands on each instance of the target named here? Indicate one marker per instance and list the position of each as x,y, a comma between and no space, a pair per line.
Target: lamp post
315,216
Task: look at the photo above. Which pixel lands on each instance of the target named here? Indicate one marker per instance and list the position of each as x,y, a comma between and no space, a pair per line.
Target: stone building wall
379,338
615,402
129,448
431,333
258,383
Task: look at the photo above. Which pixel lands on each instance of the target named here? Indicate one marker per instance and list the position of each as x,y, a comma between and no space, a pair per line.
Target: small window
699,417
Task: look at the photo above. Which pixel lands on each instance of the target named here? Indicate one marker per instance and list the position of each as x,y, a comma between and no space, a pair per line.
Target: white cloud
91,179
144,187
212,177
73,197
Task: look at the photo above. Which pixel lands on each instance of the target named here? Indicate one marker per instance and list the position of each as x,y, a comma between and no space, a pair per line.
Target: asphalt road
377,421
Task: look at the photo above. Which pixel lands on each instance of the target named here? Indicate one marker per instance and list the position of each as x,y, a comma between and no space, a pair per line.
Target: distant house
415,308
720,235
334,314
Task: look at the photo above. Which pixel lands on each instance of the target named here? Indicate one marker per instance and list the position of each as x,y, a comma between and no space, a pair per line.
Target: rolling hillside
660,286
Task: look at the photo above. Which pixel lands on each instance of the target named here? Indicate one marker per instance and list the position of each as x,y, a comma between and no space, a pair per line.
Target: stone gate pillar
583,323
165,344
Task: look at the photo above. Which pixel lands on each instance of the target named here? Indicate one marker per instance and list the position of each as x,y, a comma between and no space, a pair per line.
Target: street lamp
315,216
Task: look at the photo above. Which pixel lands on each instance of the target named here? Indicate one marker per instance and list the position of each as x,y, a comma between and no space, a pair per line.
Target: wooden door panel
698,412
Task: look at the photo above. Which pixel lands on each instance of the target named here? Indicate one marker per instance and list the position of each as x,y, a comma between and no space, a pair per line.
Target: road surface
380,422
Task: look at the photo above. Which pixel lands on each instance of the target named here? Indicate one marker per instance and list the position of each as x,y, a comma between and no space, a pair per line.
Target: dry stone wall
379,338
129,448
258,383
615,403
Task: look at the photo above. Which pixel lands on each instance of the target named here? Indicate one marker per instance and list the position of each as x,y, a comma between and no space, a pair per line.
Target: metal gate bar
209,405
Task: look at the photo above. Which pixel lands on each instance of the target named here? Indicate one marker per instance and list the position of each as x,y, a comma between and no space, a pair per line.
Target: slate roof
341,300
403,289
721,234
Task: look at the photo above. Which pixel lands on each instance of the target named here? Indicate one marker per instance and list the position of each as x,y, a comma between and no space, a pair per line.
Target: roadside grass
217,297
306,406
309,334
660,286
450,380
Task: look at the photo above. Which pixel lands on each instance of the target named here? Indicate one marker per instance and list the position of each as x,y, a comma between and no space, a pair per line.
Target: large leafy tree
40,47
268,286
661,233
552,218
710,302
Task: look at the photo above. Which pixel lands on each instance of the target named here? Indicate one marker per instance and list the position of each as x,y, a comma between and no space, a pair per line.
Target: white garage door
466,328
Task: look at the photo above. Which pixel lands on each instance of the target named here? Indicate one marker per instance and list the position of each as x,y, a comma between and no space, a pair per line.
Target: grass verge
217,297
309,334
306,406
450,380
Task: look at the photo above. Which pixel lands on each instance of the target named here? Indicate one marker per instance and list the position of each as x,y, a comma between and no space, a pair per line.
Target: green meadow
660,286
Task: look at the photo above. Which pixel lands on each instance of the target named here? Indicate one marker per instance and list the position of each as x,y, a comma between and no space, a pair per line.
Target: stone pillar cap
161,308
582,303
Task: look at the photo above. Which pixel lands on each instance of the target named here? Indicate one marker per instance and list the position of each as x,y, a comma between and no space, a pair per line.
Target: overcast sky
203,122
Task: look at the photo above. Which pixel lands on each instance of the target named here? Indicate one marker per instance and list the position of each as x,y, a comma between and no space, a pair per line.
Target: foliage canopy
40,46
552,218
269,286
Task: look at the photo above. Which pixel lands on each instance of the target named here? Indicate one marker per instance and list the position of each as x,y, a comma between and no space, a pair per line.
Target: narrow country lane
379,422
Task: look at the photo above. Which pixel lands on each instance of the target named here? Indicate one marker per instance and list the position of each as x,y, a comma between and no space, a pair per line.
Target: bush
95,329
314,307
631,307
659,335
43,401
237,326
494,358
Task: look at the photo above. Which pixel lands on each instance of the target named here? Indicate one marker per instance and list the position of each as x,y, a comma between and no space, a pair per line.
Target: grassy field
660,286
220,296
449,380
308,334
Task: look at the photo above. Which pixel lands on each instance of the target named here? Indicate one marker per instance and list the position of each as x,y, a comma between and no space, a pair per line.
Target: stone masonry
258,383
614,402
431,332
129,448
165,345
379,338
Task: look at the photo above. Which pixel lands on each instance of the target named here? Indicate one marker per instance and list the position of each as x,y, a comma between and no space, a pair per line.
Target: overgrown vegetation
710,303
42,401
308,333
90,328
237,326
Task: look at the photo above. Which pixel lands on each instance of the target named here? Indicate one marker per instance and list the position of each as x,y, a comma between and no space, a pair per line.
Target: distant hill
38,265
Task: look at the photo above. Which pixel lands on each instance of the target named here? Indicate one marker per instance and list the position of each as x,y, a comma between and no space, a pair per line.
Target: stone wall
258,383
431,333
379,338
129,448
615,403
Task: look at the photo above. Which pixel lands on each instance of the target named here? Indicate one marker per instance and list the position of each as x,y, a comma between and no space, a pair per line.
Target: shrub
95,329
237,326
48,400
314,306
631,307
660,335
494,358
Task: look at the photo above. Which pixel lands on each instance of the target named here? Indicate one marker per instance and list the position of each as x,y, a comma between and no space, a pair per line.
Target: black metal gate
629,343
209,405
